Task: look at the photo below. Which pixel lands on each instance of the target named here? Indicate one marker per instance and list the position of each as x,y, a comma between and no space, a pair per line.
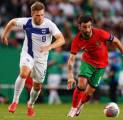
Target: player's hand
70,83
45,48
4,39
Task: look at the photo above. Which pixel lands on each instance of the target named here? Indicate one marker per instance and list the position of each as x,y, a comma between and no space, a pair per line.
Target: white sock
19,85
33,96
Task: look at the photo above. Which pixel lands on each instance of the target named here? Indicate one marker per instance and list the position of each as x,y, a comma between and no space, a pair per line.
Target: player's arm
59,39
119,45
74,50
111,38
58,42
70,64
4,37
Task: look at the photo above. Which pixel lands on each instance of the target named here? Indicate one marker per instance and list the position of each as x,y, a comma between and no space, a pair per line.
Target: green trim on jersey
92,73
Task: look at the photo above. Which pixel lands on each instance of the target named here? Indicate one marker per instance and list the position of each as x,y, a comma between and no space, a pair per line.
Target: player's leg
85,97
76,99
20,82
26,64
87,93
91,87
77,95
93,83
86,71
35,91
38,74
19,85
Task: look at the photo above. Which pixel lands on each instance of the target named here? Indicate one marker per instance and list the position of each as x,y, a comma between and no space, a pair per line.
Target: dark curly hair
84,19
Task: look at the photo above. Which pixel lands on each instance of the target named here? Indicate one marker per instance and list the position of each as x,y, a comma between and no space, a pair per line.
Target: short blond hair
37,6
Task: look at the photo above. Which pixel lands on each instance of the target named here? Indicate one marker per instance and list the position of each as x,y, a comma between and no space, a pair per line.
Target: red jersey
95,51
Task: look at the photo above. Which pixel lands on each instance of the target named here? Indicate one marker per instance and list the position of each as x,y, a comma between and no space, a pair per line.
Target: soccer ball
111,110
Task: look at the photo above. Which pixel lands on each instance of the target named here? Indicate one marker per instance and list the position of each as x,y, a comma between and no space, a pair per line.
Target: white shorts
37,67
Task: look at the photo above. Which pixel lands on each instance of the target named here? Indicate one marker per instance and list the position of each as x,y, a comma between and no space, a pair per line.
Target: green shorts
92,73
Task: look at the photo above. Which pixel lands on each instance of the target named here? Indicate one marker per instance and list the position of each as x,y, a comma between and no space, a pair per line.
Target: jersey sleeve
54,29
106,36
74,46
20,22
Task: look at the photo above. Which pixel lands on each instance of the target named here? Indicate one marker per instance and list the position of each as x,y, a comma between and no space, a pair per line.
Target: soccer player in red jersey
92,41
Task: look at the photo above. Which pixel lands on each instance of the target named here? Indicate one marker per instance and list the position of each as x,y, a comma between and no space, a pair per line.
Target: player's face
38,16
86,29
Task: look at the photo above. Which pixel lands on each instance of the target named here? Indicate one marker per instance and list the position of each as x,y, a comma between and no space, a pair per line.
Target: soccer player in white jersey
33,61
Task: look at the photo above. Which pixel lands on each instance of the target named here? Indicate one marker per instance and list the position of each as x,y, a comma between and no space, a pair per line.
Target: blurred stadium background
108,14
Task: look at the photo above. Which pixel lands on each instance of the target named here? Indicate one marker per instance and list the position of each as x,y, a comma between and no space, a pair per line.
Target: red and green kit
95,54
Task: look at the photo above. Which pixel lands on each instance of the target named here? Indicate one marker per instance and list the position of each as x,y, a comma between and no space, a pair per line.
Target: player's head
37,12
85,26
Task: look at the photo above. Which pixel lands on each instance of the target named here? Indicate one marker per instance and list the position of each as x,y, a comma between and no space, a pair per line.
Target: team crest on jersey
45,30
98,43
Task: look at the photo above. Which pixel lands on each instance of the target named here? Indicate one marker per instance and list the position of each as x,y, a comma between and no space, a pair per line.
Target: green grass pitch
57,112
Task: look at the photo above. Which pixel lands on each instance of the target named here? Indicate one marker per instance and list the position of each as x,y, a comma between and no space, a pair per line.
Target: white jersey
37,36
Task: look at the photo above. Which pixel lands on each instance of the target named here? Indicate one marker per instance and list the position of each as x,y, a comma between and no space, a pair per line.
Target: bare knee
37,86
24,72
90,90
82,82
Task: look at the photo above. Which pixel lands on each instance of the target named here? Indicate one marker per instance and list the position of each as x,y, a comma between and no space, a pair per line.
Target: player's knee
81,86
90,93
90,90
24,74
37,86
82,82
